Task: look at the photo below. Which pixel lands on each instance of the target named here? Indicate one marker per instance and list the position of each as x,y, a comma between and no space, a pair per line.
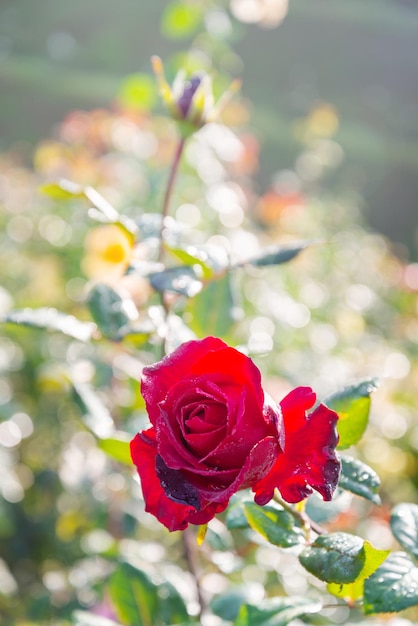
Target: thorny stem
169,191
190,544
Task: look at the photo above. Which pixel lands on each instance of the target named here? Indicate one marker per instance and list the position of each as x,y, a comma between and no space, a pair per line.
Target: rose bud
214,432
190,100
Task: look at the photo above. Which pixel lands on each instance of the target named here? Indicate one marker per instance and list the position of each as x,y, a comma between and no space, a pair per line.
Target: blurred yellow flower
108,253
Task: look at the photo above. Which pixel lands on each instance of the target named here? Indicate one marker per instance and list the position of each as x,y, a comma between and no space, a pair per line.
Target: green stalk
169,191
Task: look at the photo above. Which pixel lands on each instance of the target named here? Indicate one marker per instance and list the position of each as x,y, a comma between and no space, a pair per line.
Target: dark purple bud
186,97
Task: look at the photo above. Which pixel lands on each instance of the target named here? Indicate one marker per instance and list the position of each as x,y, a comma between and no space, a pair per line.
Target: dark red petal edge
173,515
309,461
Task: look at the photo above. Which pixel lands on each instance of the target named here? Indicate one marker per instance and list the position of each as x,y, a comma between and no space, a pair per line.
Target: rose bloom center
203,424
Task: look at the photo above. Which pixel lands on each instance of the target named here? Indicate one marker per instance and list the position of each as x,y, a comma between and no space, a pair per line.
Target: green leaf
404,524
276,525
107,211
182,280
374,559
353,406
64,190
191,257
235,516
275,255
102,210
335,558
117,447
216,537
108,310
96,415
213,310
171,606
53,320
138,91
393,586
139,602
354,591
134,596
276,612
227,605
180,20
85,618
360,479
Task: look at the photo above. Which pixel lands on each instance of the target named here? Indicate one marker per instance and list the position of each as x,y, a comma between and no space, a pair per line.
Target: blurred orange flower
272,204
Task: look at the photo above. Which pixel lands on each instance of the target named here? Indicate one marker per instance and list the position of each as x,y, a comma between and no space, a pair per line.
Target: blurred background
320,145
357,57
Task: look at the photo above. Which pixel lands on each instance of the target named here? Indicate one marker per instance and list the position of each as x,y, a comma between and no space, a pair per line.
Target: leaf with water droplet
182,280
193,256
359,478
96,415
354,591
109,312
50,319
393,586
404,524
335,558
274,524
276,611
275,255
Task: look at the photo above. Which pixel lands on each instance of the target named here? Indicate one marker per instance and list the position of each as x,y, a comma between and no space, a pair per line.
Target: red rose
213,432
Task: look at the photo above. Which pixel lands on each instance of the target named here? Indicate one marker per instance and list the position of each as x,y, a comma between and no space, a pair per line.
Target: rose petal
273,415
208,513
229,367
169,513
172,429
173,515
294,407
176,486
218,485
253,425
309,461
157,379
199,443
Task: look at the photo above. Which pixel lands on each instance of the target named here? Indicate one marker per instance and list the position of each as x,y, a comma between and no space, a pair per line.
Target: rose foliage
214,431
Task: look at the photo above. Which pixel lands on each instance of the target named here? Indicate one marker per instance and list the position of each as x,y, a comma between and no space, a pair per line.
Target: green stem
169,191
300,516
164,214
